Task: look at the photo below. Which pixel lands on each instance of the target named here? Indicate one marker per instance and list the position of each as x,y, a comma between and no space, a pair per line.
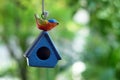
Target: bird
44,24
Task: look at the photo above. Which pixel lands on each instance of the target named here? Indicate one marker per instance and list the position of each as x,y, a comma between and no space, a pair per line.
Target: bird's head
53,21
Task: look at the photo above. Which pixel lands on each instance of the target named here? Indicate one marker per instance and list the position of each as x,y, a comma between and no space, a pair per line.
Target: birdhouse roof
43,34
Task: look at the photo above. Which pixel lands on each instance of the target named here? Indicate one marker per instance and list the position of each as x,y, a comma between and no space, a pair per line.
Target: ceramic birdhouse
43,52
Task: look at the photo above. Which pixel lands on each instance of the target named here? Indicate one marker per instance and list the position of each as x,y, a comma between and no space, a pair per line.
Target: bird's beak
57,23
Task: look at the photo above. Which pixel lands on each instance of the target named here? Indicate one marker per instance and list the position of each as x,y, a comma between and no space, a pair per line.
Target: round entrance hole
43,53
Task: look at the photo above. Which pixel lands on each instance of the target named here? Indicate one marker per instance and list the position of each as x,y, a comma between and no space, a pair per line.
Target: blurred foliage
102,51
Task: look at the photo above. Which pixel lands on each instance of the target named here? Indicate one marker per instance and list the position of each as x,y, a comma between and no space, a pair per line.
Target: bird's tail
38,20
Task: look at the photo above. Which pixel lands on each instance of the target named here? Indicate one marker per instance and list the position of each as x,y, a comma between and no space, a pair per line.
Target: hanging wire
42,7
44,14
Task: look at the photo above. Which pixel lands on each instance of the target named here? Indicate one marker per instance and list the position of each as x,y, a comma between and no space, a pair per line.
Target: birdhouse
43,52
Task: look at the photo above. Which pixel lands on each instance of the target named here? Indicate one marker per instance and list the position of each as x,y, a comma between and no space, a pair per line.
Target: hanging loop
44,15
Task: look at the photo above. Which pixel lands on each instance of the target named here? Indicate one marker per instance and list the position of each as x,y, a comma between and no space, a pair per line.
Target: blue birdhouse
43,52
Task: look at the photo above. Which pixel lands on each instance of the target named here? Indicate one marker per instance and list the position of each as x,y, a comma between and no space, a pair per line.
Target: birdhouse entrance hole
43,53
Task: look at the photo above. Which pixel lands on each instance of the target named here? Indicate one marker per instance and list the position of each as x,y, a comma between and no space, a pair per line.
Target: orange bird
45,25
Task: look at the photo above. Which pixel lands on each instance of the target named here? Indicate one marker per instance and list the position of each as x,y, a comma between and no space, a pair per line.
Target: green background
100,53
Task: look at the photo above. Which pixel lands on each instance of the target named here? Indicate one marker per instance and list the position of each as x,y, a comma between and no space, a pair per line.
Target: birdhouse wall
33,59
